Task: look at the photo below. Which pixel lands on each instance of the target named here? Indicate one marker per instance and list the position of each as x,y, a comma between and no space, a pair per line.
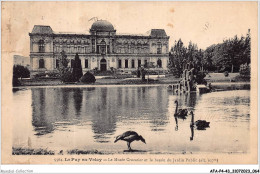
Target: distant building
103,48
21,60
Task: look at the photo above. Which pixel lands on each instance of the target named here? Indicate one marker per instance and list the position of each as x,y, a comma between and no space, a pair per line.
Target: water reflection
92,117
58,107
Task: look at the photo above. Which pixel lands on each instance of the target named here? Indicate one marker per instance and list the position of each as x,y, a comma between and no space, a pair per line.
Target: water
90,119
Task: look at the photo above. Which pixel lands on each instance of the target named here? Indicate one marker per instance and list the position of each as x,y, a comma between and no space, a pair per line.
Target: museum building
102,48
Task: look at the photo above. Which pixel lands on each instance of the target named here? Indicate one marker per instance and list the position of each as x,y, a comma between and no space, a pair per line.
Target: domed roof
102,25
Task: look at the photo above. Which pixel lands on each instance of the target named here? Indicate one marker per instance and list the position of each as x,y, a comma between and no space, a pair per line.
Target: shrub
200,78
87,78
16,82
77,69
244,70
20,71
67,77
226,74
53,74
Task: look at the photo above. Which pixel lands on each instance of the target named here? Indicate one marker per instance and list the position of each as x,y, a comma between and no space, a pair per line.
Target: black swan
129,137
181,113
200,124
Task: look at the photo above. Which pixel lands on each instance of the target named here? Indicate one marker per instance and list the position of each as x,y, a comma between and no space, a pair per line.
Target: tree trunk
232,68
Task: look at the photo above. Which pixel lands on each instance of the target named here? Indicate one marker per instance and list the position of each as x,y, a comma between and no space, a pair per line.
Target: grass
82,152
27,151
124,79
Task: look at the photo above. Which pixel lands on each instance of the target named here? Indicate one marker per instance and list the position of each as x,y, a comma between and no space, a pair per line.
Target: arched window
41,46
159,63
41,63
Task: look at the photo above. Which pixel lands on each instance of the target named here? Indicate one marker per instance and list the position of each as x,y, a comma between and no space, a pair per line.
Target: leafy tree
229,55
77,68
177,58
20,71
245,70
64,70
63,63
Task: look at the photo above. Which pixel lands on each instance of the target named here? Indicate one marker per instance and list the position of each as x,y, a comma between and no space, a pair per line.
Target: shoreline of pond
78,85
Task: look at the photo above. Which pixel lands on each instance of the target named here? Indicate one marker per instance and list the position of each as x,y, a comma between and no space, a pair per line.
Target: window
139,63
145,63
133,63
103,49
98,48
93,46
108,49
57,63
159,48
119,64
113,45
126,63
86,63
41,46
41,63
159,63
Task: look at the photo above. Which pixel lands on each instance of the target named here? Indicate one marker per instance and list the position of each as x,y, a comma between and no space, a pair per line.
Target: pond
89,118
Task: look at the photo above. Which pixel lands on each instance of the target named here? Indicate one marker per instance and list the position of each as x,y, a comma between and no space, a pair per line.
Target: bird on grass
129,137
200,124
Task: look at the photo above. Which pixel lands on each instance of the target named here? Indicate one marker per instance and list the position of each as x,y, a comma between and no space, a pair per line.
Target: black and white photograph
129,82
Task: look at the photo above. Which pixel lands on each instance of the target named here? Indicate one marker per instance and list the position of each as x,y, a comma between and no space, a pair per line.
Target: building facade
101,49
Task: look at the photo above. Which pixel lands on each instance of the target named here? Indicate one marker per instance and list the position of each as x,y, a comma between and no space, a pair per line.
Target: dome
102,25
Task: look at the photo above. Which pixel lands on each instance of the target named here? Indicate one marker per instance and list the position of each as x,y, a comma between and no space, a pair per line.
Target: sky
203,23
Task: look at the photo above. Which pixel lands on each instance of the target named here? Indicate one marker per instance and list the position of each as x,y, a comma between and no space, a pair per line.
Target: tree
229,55
177,58
64,70
20,71
77,68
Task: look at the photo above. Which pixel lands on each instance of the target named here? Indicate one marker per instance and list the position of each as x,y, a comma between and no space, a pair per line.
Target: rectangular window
145,63
139,63
103,49
133,63
86,63
126,63
119,64
57,63
159,48
98,47
113,45
41,46
108,49
93,46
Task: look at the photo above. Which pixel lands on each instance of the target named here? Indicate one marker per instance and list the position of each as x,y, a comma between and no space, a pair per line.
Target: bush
226,74
87,78
53,74
200,78
16,82
77,69
67,77
244,70
20,71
